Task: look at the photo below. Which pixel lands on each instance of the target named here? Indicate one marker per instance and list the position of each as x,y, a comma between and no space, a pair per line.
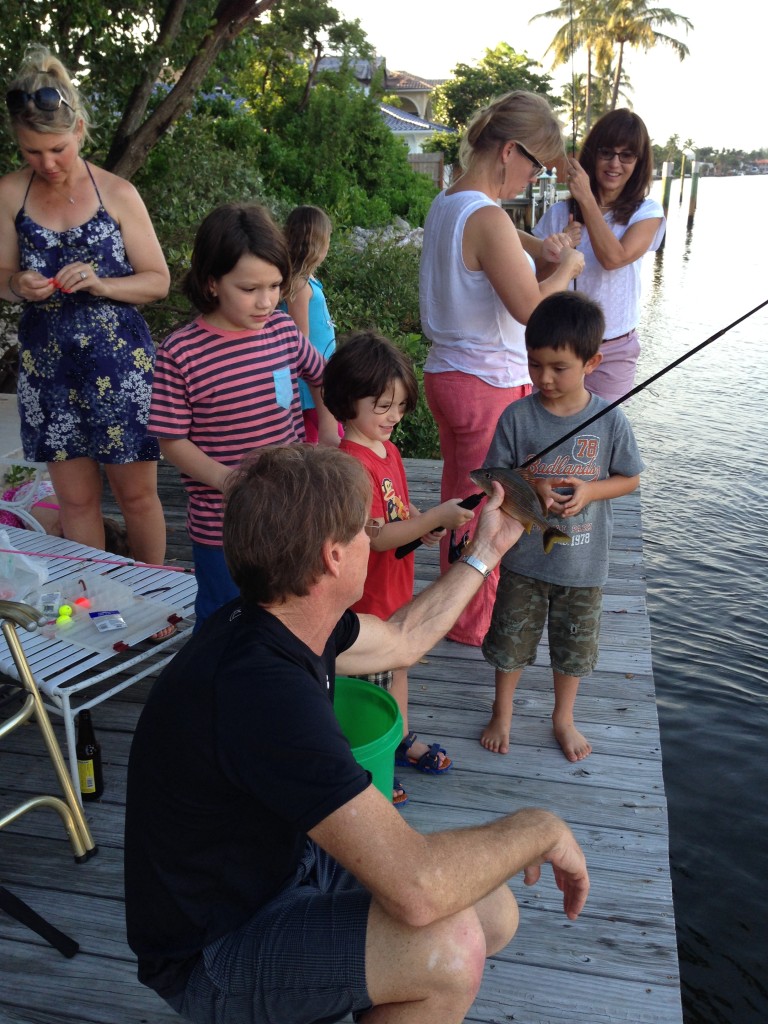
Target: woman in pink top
477,289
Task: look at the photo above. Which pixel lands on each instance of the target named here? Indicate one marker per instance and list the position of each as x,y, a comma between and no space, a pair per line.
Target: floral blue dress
86,363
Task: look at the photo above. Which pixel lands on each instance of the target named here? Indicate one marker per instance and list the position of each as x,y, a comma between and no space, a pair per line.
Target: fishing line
474,499
573,85
126,563
643,385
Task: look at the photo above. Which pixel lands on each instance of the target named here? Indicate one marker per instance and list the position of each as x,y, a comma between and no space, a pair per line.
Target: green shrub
378,289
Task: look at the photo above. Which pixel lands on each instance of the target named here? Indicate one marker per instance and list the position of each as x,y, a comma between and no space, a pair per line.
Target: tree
604,28
501,70
119,51
584,27
633,23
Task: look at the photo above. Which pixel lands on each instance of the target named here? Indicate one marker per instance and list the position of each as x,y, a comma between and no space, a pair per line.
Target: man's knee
499,916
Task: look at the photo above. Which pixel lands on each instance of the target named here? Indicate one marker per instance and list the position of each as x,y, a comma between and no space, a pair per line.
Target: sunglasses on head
47,98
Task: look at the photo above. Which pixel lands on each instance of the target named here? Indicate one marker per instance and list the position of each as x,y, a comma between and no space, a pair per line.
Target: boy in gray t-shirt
578,478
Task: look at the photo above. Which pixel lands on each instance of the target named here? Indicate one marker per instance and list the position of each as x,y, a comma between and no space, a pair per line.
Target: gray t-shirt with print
604,448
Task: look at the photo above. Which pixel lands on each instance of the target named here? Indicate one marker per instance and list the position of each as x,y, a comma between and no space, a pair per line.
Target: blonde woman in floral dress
77,247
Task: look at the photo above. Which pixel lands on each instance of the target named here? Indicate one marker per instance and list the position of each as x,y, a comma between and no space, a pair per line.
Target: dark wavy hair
566,320
363,366
620,129
230,231
281,505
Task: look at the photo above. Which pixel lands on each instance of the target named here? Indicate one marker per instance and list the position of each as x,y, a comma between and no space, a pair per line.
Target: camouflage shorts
522,607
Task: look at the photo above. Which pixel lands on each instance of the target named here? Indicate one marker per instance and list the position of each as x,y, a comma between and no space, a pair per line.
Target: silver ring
83,274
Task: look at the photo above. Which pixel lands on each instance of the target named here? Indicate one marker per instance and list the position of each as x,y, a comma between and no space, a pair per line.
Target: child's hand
433,538
552,500
572,504
452,515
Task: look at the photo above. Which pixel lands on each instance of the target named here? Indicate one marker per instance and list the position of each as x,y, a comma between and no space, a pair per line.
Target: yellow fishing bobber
65,611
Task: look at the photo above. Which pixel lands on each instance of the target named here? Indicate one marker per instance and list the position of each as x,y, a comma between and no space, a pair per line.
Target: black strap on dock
22,912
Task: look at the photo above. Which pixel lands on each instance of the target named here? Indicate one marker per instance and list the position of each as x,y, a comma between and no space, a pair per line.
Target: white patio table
78,667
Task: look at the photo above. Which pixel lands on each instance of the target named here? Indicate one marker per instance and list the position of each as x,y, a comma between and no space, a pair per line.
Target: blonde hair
40,69
307,233
524,117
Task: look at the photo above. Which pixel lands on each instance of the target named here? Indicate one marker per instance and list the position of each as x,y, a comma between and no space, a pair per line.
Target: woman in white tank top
477,289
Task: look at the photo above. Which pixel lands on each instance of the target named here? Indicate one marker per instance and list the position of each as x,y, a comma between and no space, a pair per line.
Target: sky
716,96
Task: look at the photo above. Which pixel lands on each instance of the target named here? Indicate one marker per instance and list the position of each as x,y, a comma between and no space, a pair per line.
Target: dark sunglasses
47,98
538,166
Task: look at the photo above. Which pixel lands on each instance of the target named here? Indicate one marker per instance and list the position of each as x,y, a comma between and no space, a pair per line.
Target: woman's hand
78,277
572,260
553,245
32,286
578,182
573,231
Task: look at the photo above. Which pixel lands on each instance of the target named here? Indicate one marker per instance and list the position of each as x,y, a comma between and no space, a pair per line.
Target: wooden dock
618,962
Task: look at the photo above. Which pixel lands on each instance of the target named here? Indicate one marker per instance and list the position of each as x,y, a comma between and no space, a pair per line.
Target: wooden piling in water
695,169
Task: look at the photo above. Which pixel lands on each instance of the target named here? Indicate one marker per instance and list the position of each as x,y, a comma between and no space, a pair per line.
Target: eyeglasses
47,98
626,156
372,528
538,166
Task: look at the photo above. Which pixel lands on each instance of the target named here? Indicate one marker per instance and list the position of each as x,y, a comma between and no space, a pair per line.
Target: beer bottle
88,750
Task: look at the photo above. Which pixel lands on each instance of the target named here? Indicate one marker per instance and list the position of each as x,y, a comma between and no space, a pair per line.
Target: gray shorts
522,607
300,960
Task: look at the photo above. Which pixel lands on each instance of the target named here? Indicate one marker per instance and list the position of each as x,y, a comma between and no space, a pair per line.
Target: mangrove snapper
520,501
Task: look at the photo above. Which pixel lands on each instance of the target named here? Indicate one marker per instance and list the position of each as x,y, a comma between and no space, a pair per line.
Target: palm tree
633,23
585,22
601,25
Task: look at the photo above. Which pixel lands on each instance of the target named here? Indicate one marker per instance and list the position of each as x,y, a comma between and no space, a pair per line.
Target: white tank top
461,314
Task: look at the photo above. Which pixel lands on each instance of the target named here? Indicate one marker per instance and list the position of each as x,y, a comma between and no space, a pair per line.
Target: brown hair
524,117
307,233
281,506
363,366
620,129
40,69
230,231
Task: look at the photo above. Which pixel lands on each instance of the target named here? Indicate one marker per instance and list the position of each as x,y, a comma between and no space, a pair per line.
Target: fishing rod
474,499
98,561
643,385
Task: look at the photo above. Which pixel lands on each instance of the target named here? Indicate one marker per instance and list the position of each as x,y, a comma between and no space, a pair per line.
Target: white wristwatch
481,567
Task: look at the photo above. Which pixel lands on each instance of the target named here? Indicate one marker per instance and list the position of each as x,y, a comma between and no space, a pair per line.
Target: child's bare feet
495,736
575,746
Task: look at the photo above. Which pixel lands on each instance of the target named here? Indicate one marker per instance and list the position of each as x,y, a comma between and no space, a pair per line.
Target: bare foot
495,736
575,746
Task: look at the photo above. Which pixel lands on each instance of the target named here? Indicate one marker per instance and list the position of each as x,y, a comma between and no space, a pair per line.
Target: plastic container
371,721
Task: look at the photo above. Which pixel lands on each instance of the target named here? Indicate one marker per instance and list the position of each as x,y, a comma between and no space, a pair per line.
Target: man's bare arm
418,625
419,879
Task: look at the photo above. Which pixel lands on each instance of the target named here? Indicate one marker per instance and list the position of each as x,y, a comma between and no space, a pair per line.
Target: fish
521,502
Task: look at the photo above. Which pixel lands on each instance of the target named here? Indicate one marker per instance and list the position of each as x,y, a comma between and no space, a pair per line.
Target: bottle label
87,776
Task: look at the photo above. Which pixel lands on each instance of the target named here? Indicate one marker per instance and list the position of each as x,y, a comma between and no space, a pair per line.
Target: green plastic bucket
371,721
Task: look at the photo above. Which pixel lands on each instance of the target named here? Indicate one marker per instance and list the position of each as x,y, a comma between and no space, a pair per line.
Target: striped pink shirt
229,392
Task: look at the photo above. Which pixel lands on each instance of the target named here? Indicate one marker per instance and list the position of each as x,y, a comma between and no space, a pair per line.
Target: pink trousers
466,411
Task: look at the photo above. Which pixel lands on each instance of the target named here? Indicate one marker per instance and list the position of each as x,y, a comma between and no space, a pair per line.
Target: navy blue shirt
236,755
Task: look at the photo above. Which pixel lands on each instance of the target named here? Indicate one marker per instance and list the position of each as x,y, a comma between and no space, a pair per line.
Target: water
703,431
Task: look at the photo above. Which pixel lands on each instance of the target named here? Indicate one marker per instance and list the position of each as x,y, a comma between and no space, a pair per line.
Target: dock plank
618,962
